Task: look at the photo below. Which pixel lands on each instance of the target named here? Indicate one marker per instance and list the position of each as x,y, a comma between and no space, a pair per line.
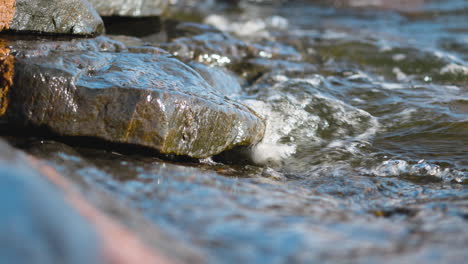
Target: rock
7,11
37,226
56,17
210,48
187,29
47,218
130,8
150,100
41,48
113,219
6,75
222,49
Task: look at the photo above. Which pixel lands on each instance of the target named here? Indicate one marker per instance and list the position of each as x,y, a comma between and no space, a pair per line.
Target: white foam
454,68
291,121
404,116
392,86
421,168
452,87
254,27
269,151
278,22
218,21
391,168
360,76
400,75
399,57
358,100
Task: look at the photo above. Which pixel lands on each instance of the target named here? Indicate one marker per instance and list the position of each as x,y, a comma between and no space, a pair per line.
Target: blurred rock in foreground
37,226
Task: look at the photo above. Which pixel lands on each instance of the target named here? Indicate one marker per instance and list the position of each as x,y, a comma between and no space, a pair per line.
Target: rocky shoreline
99,88
183,131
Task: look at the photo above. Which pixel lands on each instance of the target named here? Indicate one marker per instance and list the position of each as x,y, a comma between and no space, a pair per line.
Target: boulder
56,17
146,99
130,8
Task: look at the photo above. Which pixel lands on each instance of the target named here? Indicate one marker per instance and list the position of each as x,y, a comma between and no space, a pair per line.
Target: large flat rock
147,99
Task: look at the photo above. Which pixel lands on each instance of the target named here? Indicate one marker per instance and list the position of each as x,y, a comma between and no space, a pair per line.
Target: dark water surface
365,157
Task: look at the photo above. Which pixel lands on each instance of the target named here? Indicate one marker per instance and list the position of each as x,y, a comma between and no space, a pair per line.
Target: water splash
421,169
301,118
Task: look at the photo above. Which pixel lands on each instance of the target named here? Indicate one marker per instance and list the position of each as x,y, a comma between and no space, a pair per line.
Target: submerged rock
131,8
222,49
210,48
188,29
56,17
150,100
37,226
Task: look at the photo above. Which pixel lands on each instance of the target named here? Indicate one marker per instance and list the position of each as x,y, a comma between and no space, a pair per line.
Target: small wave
301,118
420,169
270,150
454,69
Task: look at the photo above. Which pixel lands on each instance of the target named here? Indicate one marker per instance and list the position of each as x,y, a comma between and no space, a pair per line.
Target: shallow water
365,157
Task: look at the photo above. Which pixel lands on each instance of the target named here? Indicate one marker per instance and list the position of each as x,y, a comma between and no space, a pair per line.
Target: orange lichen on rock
7,11
6,75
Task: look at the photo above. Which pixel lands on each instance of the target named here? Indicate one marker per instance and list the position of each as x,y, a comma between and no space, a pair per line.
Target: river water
365,157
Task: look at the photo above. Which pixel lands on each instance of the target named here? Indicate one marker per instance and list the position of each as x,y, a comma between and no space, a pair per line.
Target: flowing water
365,156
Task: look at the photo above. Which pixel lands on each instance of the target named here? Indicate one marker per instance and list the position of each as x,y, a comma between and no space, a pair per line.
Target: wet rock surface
146,99
56,17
